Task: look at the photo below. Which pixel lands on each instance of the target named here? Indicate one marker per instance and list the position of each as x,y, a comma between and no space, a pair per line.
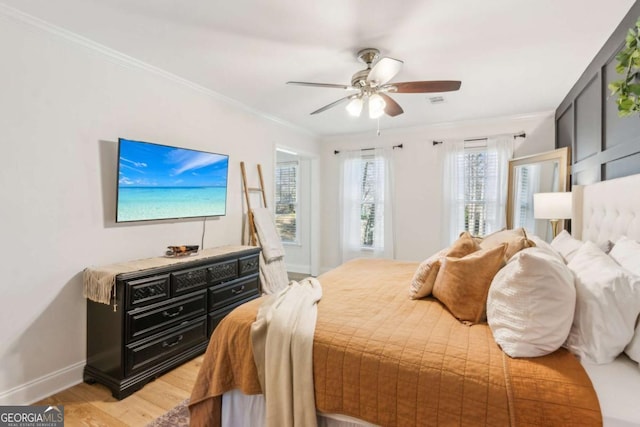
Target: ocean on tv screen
147,203
163,182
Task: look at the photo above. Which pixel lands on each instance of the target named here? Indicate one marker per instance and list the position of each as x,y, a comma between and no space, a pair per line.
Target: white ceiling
512,56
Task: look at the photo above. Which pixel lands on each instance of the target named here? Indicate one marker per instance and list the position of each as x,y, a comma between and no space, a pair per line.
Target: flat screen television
163,182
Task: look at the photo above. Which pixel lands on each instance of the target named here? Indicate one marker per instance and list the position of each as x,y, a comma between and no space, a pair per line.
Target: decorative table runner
98,282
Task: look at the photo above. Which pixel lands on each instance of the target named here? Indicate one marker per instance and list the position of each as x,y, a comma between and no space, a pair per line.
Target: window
477,167
475,186
366,227
286,191
370,169
522,191
527,178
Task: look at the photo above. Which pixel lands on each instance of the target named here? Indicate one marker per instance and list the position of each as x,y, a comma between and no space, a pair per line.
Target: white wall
418,179
62,107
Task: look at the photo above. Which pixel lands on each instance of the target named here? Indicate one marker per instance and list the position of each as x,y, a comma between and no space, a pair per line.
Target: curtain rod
517,135
372,148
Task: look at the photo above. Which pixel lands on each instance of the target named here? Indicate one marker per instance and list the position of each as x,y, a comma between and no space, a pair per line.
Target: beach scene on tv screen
162,182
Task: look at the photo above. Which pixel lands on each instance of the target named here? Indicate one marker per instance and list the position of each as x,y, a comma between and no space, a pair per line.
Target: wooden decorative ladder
253,238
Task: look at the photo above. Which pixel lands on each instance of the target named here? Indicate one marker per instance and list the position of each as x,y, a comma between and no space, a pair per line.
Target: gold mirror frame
561,155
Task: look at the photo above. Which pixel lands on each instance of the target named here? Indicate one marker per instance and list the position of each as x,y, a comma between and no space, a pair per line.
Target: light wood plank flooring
93,405
297,276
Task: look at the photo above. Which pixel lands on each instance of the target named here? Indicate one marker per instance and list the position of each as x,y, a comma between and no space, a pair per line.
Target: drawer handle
238,290
174,314
173,344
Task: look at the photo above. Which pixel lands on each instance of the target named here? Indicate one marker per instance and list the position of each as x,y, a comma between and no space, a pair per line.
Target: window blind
286,192
479,168
371,171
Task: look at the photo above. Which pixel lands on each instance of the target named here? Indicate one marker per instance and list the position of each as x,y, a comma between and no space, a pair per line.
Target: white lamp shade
376,106
552,205
354,107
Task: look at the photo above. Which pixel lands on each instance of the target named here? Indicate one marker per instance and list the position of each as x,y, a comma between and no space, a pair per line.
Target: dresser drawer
222,271
146,290
249,264
216,316
146,321
151,351
188,280
243,288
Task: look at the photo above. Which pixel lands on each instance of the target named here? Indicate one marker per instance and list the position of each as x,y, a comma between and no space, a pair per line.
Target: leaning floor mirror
540,173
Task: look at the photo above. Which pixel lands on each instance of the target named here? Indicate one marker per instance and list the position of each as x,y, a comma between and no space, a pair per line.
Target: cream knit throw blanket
273,275
273,269
282,339
268,236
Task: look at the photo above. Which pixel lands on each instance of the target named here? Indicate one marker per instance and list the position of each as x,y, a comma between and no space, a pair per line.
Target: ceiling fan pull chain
378,126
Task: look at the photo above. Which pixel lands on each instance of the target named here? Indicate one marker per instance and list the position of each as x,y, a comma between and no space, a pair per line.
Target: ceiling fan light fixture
376,106
354,107
373,85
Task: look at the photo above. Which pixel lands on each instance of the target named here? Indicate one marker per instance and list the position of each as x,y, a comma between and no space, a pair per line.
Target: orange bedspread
392,361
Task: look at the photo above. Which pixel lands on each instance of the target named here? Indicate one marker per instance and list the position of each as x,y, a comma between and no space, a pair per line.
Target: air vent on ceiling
436,99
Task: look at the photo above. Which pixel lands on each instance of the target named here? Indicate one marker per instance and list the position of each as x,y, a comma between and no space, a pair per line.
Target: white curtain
499,152
351,199
454,169
452,160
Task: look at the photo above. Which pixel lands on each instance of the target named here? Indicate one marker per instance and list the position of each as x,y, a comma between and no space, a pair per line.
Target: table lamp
552,206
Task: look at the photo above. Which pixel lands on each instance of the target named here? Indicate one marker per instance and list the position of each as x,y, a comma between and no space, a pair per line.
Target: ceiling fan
372,86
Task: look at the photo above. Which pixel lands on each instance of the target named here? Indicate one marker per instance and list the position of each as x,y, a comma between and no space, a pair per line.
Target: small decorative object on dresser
183,250
148,316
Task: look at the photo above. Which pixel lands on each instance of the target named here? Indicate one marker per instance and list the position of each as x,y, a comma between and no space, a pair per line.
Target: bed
382,359
606,211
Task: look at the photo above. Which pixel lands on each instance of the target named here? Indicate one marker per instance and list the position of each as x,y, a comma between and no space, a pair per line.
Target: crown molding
513,119
129,61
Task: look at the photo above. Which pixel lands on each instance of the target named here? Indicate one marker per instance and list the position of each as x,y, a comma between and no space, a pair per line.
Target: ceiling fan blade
384,70
391,108
333,104
321,85
425,87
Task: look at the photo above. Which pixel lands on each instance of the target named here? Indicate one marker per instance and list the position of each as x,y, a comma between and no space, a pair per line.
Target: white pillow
530,303
633,348
607,306
566,245
540,243
626,252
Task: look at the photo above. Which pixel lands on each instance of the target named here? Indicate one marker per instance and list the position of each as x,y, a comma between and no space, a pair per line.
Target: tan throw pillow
516,240
465,245
425,276
462,284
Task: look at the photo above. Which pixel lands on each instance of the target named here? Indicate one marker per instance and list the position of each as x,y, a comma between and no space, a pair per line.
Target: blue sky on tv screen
151,165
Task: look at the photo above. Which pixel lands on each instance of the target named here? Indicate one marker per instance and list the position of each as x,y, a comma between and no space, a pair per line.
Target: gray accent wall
603,145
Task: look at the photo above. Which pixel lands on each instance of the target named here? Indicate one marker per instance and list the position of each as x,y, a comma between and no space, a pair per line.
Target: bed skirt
242,410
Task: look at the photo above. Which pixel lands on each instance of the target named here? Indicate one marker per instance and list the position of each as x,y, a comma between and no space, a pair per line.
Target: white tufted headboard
607,210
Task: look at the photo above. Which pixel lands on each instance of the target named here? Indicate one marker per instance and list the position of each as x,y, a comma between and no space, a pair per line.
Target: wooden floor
297,276
93,405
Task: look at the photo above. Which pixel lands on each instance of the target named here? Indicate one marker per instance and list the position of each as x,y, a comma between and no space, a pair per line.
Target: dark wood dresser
162,316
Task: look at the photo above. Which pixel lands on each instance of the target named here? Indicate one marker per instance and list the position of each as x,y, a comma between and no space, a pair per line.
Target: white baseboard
44,386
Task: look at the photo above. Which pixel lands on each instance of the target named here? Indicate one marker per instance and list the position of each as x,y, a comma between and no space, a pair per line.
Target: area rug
176,417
